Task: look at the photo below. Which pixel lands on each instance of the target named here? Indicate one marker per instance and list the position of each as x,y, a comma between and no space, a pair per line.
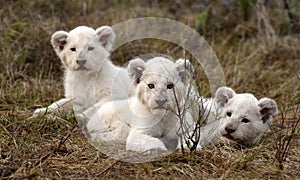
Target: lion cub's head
244,118
83,48
160,83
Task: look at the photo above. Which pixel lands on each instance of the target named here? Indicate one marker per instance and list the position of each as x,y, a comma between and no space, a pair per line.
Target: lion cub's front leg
63,104
139,141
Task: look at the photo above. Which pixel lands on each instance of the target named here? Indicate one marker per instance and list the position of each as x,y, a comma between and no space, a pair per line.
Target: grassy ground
258,48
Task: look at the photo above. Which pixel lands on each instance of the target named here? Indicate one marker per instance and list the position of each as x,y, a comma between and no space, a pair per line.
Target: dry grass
31,76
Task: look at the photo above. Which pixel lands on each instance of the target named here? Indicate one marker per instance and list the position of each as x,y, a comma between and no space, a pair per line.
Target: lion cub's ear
59,40
136,68
268,108
223,94
185,69
106,36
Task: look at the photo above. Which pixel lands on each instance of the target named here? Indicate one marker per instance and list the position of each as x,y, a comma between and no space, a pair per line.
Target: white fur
239,118
90,77
146,121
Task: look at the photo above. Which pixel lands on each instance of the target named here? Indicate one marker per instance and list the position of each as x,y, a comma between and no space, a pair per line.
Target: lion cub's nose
161,102
81,62
229,129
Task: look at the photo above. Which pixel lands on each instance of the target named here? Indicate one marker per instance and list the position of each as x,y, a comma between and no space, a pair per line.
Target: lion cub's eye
245,120
228,114
151,86
170,86
90,48
73,49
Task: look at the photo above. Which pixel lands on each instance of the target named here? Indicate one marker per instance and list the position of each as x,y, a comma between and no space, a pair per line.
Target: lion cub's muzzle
229,129
160,103
81,64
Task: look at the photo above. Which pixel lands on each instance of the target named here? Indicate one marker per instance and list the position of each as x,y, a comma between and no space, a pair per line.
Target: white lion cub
148,117
239,118
90,76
